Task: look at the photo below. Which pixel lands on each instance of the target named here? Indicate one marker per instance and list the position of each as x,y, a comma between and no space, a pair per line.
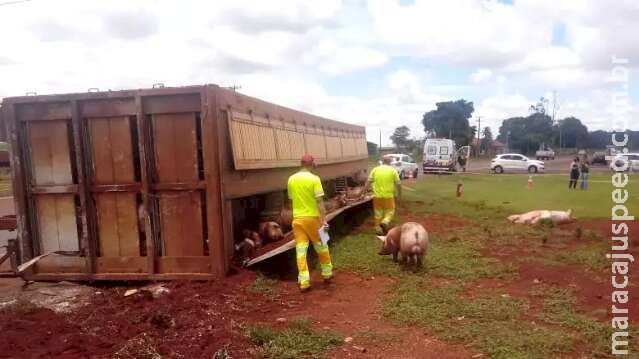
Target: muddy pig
410,240
251,241
270,232
286,217
336,202
354,193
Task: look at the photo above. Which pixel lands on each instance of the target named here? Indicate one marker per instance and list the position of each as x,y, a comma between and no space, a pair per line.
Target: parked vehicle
632,158
404,164
599,157
440,156
545,154
514,162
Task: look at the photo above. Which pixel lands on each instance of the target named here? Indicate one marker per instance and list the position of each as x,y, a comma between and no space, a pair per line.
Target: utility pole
478,132
380,139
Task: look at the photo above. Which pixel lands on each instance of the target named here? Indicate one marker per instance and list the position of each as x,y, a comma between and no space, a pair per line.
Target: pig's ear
382,238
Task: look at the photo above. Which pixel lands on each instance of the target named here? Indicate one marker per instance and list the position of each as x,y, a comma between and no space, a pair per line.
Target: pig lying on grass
534,217
410,240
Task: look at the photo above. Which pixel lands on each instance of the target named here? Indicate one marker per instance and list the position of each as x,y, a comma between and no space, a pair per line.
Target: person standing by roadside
574,174
309,216
584,175
386,184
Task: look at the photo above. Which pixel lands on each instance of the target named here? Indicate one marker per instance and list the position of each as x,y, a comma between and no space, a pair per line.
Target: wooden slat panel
334,147
181,224
112,150
109,241
113,165
176,147
122,150
50,153
185,147
117,224
259,143
176,158
57,223
101,147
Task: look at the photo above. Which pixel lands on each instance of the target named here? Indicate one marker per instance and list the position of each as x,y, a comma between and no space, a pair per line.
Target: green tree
573,133
599,139
401,138
486,140
525,134
450,120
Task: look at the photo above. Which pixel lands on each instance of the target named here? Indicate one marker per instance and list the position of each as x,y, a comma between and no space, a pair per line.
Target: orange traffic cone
460,189
530,183
411,179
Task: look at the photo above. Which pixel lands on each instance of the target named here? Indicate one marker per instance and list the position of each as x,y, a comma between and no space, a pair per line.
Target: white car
633,161
514,162
404,164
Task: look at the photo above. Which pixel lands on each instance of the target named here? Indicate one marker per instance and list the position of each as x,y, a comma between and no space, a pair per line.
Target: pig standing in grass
410,240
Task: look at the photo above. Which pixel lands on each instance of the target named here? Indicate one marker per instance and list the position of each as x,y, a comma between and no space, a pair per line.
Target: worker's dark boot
384,228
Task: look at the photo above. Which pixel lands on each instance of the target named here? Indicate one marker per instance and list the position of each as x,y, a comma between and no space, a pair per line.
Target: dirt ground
196,319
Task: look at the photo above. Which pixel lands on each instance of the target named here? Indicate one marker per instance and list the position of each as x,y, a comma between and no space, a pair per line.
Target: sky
376,63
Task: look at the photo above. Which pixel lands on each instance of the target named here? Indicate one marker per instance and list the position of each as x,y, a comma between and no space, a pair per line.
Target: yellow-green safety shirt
304,188
384,179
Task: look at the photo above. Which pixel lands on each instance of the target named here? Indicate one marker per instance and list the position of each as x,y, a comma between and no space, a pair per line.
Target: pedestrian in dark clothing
574,174
584,175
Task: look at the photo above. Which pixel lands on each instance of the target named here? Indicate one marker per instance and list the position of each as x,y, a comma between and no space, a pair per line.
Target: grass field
437,297
509,193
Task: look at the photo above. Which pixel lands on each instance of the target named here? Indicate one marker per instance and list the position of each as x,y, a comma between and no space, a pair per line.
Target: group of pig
267,232
273,231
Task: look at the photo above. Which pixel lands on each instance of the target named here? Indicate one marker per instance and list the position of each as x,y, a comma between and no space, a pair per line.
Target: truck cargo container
155,183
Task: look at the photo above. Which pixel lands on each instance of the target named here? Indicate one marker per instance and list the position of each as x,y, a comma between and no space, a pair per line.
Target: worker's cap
308,160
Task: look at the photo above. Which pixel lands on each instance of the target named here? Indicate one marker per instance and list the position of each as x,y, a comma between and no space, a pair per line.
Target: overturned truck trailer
152,183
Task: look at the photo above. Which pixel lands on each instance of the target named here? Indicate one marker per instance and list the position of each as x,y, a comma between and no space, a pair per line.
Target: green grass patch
508,194
489,322
264,286
453,258
299,340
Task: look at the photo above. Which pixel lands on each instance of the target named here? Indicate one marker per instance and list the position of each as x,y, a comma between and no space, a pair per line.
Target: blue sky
378,63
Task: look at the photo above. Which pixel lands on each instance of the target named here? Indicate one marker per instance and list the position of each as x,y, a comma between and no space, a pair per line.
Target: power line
13,2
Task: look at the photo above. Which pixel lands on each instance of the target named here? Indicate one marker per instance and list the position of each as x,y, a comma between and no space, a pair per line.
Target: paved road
558,165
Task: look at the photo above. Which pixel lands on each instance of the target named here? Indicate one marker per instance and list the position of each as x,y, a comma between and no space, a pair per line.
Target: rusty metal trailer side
139,184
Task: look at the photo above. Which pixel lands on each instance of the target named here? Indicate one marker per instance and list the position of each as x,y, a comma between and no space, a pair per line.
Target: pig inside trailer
145,184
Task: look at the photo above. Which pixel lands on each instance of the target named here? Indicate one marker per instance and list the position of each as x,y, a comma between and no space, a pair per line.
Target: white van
439,155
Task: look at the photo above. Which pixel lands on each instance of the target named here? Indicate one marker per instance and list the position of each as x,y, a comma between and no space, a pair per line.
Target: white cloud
296,53
481,75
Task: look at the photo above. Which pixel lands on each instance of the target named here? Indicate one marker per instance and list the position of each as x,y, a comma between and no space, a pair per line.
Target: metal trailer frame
78,195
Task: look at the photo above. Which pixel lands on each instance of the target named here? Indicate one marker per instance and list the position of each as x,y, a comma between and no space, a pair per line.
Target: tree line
523,134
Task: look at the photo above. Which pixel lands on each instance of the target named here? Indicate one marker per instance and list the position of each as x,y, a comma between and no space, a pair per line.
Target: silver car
514,162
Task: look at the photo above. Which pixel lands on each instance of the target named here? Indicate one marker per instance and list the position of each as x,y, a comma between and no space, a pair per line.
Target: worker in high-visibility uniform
386,184
309,216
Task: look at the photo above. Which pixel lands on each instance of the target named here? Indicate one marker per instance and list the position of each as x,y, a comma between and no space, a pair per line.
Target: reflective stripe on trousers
305,230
